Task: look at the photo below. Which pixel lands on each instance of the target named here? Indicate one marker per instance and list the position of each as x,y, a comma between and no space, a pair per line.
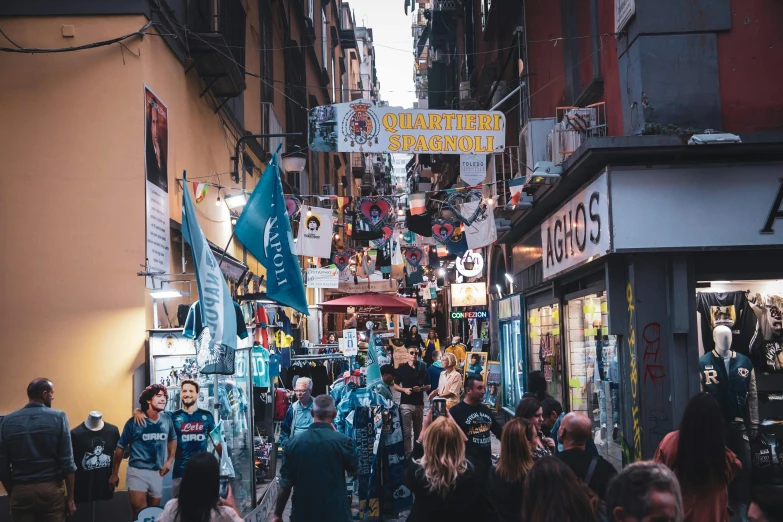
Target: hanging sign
473,168
470,264
158,251
315,233
323,277
478,314
359,126
469,294
351,342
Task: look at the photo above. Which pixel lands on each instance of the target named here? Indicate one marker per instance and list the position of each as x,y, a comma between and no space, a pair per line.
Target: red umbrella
371,303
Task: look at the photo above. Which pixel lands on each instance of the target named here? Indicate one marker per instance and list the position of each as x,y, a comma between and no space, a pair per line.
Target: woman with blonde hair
444,483
450,383
507,480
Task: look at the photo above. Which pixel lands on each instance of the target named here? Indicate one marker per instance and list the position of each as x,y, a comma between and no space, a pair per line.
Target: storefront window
512,352
592,371
546,353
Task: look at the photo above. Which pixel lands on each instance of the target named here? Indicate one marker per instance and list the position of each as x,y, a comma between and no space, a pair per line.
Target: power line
94,45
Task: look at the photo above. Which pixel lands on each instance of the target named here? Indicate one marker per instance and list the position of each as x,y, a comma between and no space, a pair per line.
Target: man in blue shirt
152,448
36,456
298,417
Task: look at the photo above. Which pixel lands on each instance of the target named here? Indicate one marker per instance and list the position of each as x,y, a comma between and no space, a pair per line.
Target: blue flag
264,229
216,344
373,369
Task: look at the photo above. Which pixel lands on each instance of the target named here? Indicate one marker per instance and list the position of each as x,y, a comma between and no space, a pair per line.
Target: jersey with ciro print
192,435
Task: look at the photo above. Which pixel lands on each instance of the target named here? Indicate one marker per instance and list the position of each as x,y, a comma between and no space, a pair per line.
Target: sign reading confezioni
359,126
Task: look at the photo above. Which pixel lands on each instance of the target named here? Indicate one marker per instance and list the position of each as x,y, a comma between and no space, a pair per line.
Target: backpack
601,511
281,404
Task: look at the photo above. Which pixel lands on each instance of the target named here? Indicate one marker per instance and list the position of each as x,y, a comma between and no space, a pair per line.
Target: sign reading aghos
359,126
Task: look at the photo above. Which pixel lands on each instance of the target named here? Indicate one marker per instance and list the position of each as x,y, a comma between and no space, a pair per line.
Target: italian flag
418,203
200,191
515,187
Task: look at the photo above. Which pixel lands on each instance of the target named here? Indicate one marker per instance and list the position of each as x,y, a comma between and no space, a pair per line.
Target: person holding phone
200,498
411,381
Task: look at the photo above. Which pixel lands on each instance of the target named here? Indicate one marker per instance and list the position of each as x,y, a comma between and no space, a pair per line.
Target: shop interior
546,353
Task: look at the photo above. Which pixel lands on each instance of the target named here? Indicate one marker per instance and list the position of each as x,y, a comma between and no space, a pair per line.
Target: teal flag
264,229
373,369
217,343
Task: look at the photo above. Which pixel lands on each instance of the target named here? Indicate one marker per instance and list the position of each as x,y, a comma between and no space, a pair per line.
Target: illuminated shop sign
480,314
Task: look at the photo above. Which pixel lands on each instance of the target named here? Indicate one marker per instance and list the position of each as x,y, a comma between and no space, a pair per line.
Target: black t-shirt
408,377
733,310
93,452
579,462
477,423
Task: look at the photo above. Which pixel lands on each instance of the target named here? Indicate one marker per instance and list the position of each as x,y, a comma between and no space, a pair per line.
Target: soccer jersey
192,435
730,388
147,444
260,367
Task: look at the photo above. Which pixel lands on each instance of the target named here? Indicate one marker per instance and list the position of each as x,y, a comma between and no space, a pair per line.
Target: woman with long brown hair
698,455
444,483
507,479
553,493
530,410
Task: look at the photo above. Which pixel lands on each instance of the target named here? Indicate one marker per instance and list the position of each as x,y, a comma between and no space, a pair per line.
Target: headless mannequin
722,337
94,421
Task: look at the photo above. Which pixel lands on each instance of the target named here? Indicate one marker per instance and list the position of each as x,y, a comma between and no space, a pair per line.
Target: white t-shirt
223,514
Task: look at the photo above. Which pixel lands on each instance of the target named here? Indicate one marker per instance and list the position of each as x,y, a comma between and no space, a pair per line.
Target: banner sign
156,154
479,314
386,285
473,168
315,233
359,126
323,278
469,294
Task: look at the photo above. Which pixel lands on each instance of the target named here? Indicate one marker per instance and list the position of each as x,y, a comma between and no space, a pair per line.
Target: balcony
445,5
216,39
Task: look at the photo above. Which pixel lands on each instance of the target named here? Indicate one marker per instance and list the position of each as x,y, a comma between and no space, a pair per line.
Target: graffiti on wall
635,449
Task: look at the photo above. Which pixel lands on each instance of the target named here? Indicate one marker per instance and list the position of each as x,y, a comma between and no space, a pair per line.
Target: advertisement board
468,294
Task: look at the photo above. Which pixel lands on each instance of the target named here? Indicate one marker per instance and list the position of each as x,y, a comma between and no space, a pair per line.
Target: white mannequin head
94,421
722,337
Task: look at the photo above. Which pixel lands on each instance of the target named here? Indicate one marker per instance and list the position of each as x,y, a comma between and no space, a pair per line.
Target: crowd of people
548,468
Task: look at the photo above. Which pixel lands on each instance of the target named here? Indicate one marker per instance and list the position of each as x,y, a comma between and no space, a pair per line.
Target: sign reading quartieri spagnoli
359,126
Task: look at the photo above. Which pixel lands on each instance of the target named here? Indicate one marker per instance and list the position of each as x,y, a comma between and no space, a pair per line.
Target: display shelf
545,346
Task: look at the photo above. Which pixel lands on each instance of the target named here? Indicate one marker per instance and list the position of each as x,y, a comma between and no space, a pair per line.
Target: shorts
146,480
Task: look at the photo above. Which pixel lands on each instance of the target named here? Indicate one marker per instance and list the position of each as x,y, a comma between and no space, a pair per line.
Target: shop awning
371,303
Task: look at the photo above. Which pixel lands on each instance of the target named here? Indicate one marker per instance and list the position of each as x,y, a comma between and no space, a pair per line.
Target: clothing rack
321,357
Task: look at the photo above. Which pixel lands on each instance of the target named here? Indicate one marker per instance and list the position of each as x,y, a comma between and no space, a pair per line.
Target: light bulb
217,201
400,236
309,212
233,221
490,202
400,212
441,272
336,235
315,261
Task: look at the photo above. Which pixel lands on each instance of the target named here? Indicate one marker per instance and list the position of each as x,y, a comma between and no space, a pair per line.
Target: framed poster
492,395
477,365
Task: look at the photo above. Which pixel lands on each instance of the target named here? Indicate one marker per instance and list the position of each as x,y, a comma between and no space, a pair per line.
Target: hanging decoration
414,256
456,203
418,203
387,234
315,233
482,231
457,243
376,210
342,258
443,229
200,191
293,205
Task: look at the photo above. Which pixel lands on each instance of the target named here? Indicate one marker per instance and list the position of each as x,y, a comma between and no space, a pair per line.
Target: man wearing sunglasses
411,381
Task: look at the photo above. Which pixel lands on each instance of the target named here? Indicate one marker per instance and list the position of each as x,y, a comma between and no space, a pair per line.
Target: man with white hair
298,417
314,468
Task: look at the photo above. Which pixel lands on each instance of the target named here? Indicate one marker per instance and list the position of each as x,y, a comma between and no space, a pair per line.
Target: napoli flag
216,344
264,229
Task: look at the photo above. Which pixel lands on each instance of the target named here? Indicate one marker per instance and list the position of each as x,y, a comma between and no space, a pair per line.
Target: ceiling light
236,200
165,293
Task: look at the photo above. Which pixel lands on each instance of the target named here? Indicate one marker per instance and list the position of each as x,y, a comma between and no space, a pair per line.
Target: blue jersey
192,435
147,444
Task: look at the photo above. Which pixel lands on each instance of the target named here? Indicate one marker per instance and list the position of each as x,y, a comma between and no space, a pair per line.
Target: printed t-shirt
192,435
261,359
477,423
147,444
92,452
194,326
274,365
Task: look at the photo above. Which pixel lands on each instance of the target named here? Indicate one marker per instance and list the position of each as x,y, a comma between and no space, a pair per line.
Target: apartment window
324,39
334,82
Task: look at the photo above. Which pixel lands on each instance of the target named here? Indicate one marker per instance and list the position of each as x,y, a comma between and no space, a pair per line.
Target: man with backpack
595,472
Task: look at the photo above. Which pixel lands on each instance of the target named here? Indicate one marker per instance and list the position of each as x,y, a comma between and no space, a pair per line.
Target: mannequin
94,421
729,377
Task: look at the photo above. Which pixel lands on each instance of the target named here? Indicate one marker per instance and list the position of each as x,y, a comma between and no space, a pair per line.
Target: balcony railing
444,5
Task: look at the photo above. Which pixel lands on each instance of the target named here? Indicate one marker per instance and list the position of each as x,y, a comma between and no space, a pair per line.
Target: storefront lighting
235,201
165,293
500,292
294,163
545,173
510,279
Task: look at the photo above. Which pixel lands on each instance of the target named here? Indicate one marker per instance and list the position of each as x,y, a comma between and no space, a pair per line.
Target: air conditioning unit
533,140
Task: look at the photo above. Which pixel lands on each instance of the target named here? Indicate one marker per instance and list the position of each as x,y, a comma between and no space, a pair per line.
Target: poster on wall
492,394
360,126
156,155
469,294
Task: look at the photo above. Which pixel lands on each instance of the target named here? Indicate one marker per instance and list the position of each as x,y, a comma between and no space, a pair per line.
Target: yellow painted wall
72,206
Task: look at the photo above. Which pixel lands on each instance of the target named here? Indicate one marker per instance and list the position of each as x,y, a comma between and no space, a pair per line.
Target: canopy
371,303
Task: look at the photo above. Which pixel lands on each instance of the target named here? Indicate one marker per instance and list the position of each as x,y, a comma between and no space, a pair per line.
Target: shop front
513,356
634,272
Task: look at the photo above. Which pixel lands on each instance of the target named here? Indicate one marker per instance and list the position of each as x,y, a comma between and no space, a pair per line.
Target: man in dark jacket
314,467
595,472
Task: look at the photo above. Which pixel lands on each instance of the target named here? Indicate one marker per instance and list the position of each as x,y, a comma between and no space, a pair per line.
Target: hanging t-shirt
274,365
192,431
262,322
420,224
147,443
194,326
92,452
261,359
729,309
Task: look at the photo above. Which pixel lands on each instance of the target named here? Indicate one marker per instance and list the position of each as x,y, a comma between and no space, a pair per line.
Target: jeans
412,419
42,502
